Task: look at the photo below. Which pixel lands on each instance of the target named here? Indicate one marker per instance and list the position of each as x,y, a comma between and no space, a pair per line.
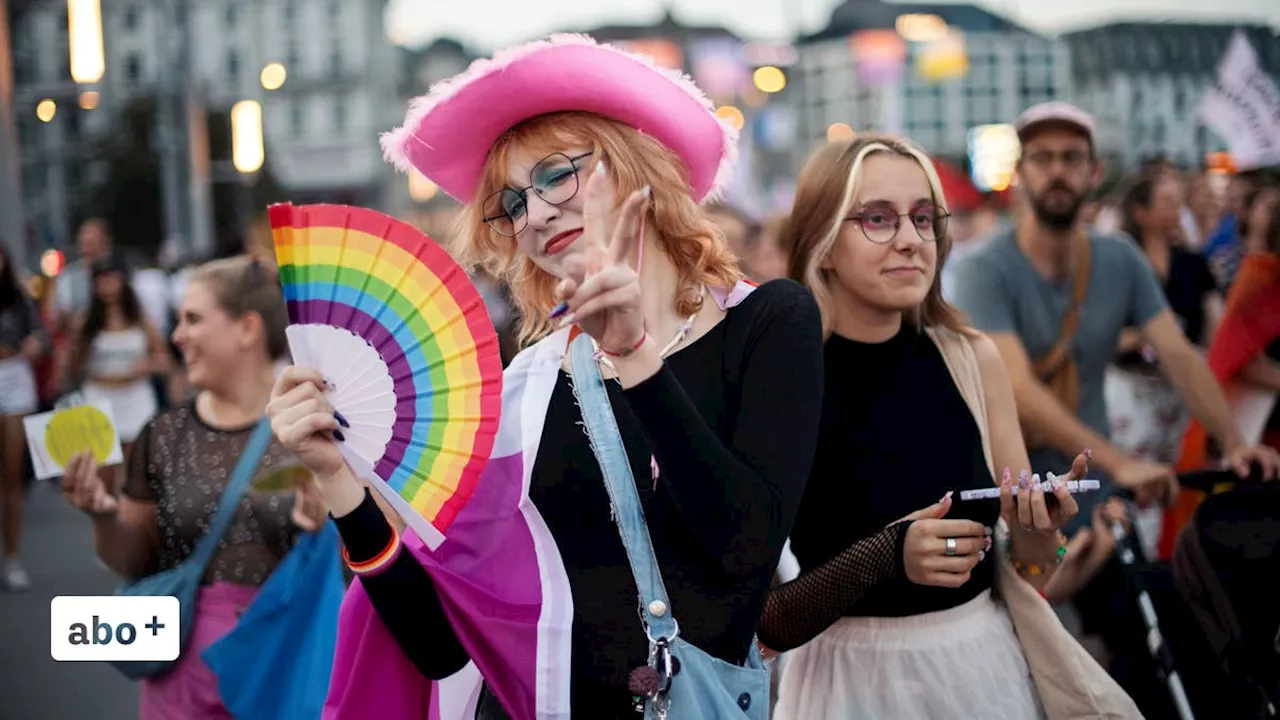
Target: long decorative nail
341,420
946,497
986,544
987,531
1088,454
1035,483
337,435
559,310
566,321
1024,477
1006,478
982,555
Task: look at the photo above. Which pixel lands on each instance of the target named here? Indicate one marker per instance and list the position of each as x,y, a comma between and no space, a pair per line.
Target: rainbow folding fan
405,341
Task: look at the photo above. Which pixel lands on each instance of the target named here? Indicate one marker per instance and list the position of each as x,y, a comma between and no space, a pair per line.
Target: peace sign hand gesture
602,292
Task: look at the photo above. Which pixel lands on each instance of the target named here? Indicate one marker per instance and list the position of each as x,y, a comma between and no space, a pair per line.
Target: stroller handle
1207,480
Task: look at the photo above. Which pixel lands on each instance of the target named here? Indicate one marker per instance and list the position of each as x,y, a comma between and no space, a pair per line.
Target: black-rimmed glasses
554,179
880,225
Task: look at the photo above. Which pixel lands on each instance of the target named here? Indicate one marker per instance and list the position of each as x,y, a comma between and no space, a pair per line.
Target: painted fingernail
644,191
1035,483
337,435
982,555
946,497
341,420
1006,477
986,544
987,531
1023,478
1088,454
559,310
566,321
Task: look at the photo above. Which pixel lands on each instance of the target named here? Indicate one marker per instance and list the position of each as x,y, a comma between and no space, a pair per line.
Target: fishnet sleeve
798,611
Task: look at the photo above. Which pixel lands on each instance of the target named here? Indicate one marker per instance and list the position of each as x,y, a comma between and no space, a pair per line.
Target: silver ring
951,546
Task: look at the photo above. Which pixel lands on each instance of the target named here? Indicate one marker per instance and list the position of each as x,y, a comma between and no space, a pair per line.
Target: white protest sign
1243,107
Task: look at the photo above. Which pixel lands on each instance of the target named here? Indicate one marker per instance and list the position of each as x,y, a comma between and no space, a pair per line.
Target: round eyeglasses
554,179
881,225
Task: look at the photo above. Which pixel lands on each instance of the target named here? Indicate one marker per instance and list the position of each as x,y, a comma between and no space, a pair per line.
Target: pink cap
1056,112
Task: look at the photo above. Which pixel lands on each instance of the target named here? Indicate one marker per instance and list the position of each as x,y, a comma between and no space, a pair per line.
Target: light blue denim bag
703,687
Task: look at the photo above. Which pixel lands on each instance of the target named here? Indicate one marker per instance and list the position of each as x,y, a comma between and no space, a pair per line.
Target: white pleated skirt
955,664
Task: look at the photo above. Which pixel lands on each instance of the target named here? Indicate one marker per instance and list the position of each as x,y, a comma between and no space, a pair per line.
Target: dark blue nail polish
341,420
337,435
560,309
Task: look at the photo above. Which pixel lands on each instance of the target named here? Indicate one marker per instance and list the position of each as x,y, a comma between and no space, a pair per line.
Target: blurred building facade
865,71
1144,83
338,90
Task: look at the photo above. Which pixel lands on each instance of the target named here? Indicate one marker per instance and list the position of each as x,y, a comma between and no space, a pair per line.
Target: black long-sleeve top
732,422
896,435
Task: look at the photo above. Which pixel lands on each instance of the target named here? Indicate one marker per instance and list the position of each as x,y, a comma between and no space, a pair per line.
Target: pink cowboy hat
448,132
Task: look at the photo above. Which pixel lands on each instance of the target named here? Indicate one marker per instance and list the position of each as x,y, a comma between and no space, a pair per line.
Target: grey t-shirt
1000,291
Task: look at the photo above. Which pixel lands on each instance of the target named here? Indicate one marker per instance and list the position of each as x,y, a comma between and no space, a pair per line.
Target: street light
839,131
921,27
84,37
420,188
247,152
731,114
273,76
769,79
46,109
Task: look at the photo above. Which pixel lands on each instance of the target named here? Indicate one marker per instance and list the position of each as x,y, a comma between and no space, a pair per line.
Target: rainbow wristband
378,562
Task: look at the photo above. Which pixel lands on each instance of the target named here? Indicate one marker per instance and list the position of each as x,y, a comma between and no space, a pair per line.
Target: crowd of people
754,434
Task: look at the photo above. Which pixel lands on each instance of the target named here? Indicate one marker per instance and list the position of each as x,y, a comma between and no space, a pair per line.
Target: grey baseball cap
1058,113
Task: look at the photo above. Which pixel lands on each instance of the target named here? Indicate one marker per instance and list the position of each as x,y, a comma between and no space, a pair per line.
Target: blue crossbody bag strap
606,442
231,496
692,685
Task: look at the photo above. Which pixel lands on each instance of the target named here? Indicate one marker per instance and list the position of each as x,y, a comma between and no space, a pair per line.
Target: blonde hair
684,233
244,284
824,197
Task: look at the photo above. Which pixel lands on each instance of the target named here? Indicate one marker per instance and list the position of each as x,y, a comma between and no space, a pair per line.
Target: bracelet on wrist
1034,569
625,352
378,562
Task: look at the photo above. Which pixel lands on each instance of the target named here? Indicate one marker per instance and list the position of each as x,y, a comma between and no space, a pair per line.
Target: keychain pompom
644,681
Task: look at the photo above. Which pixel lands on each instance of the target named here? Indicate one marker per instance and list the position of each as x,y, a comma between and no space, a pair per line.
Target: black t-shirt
732,420
896,435
1189,281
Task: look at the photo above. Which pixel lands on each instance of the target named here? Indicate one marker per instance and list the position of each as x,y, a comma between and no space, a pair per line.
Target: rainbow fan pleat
391,285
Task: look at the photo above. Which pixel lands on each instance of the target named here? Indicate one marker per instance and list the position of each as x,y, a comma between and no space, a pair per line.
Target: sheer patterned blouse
182,464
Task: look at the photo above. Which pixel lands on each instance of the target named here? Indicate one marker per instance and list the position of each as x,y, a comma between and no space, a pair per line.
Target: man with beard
1020,286
1057,336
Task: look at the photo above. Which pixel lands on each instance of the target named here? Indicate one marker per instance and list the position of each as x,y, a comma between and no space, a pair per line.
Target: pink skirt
190,689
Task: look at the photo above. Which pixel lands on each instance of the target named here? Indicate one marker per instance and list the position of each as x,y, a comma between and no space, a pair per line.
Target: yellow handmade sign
79,429
53,438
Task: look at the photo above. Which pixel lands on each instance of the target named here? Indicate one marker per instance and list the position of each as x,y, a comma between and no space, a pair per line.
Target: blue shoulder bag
692,684
183,581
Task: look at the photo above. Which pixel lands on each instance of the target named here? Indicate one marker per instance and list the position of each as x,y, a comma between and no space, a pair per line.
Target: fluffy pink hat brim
447,133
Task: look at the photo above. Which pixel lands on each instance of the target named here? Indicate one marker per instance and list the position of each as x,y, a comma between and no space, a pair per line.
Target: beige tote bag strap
1071,684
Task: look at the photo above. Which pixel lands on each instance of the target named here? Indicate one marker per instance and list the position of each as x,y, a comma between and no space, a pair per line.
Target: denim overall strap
606,443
